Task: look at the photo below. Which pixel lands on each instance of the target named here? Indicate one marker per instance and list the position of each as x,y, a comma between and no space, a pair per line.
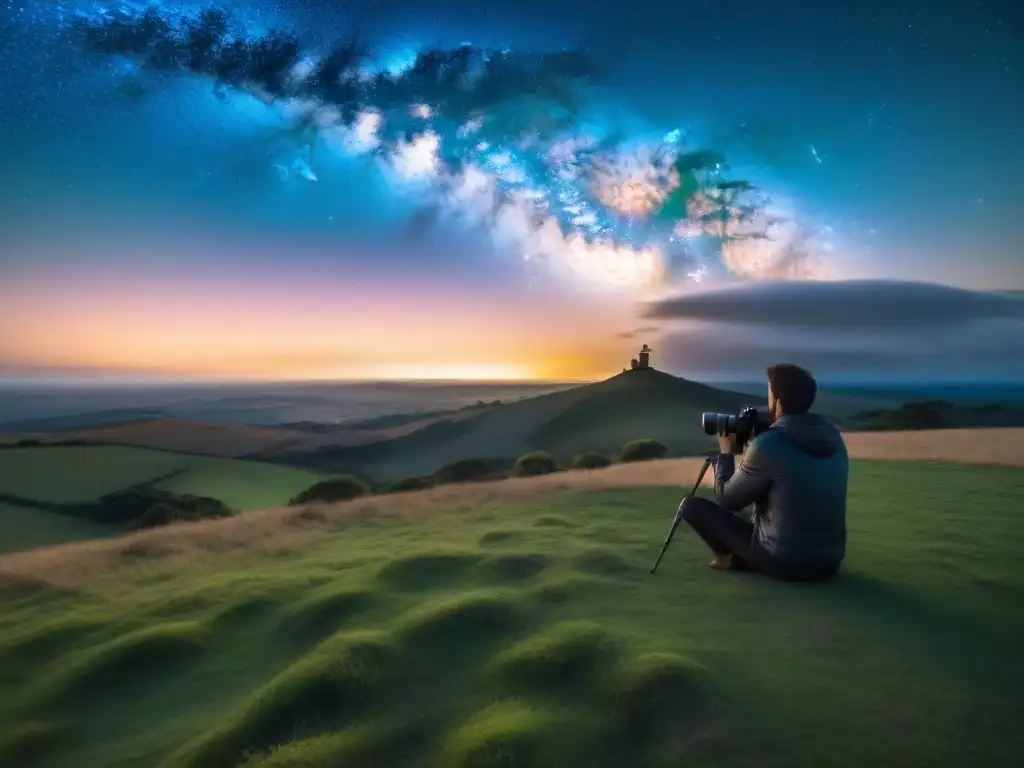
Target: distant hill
600,417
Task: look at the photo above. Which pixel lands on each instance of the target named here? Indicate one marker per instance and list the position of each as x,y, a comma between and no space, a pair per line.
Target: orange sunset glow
269,327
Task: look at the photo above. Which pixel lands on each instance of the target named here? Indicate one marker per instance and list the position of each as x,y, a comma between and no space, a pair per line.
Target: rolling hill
516,624
600,417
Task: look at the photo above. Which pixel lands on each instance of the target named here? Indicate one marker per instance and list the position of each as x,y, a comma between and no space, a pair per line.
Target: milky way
489,140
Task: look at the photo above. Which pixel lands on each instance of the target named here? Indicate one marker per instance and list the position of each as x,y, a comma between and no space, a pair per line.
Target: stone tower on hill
643,360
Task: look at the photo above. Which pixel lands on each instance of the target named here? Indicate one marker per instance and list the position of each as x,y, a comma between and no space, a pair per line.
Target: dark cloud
983,350
844,305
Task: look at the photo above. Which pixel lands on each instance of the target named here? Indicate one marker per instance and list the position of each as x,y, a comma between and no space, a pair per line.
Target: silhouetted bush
533,464
925,414
150,507
643,450
590,460
337,489
469,470
158,514
411,484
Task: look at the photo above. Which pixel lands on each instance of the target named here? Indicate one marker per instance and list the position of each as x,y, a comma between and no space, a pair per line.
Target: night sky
156,222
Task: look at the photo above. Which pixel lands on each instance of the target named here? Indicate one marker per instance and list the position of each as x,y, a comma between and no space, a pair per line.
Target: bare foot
721,562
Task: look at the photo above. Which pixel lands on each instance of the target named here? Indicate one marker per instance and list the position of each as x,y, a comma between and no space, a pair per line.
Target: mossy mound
513,568
50,639
244,610
22,744
460,622
658,692
127,657
499,537
426,569
323,691
565,589
324,610
567,654
601,561
554,521
506,734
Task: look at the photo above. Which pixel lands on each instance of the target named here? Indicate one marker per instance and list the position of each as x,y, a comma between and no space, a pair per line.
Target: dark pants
728,534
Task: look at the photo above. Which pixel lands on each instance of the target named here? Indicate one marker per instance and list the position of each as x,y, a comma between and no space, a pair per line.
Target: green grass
82,474
67,475
529,633
26,528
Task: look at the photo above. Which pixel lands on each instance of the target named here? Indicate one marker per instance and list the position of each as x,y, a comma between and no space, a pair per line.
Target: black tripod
679,512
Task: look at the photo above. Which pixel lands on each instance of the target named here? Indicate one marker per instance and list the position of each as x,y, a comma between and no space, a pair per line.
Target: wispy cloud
637,332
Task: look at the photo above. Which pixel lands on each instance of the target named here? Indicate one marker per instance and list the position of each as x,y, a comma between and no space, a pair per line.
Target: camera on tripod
747,424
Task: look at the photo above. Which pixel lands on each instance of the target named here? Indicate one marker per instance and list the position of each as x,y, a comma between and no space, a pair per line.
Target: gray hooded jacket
795,474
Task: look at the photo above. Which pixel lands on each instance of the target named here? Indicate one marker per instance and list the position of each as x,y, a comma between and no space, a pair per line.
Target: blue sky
892,126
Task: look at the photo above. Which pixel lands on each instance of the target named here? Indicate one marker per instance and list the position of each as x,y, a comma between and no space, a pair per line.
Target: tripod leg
679,513
671,532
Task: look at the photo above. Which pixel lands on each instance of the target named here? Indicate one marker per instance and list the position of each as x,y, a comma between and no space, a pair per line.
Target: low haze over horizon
734,184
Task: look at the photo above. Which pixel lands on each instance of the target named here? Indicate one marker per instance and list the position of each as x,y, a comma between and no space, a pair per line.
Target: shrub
158,514
467,470
590,460
341,488
533,464
643,450
411,484
149,507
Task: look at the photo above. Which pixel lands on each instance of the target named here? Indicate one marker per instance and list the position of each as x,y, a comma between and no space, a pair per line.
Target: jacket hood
810,433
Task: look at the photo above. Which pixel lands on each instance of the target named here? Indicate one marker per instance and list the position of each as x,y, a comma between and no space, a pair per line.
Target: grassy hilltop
515,624
594,417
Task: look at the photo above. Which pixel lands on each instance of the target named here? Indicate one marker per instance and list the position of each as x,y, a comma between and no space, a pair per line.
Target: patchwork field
515,624
26,528
50,476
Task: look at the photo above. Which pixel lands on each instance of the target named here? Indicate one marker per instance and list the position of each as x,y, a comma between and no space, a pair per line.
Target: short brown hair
794,387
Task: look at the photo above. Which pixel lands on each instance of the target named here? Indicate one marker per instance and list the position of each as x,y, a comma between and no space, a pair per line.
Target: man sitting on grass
795,475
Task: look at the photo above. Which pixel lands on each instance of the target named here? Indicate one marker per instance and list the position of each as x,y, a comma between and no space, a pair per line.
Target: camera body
747,424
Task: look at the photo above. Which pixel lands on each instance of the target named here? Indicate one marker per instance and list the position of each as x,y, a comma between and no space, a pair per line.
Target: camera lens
718,423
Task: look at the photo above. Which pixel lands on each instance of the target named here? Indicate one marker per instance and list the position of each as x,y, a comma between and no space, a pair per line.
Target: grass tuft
492,538
51,638
325,610
324,691
554,521
603,562
565,589
567,654
27,742
459,622
426,570
245,610
505,735
514,568
656,692
131,656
